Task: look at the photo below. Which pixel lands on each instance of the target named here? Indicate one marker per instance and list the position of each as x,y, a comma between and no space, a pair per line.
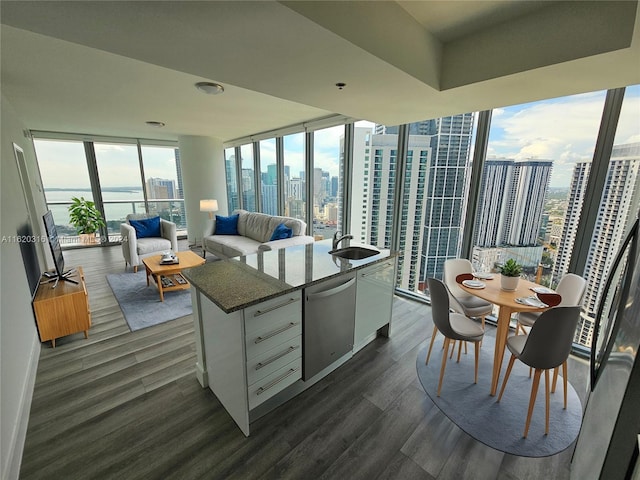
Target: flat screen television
56,250
29,254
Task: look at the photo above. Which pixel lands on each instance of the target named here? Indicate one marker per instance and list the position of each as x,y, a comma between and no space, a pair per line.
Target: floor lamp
209,206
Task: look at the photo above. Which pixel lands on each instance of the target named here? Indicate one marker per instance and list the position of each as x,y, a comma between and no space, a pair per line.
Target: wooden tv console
62,310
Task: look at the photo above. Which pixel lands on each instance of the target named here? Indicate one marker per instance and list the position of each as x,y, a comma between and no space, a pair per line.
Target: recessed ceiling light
155,124
210,88
341,85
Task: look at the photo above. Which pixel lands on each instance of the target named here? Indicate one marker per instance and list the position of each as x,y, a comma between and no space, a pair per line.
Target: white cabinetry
252,354
273,339
374,301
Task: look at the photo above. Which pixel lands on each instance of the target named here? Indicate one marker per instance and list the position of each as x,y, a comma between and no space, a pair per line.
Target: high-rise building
618,207
511,202
571,219
183,210
158,188
270,199
434,187
445,191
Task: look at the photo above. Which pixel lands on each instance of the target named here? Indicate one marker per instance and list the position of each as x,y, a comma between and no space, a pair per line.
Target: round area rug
499,425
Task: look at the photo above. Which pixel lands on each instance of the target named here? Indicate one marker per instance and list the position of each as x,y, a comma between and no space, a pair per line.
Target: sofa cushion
145,228
260,226
281,232
148,245
226,225
231,245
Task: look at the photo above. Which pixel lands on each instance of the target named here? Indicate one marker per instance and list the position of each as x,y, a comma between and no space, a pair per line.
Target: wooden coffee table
169,277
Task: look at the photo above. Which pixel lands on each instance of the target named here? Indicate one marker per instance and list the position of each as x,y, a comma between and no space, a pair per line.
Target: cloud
561,130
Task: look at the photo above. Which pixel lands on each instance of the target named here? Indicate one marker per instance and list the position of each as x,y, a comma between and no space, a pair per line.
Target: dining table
507,305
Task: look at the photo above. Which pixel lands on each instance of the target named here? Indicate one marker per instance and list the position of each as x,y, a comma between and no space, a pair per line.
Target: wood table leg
159,283
504,317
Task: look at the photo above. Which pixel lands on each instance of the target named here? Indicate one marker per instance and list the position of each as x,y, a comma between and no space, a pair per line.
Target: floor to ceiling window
120,182
78,168
248,181
63,168
326,179
618,208
163,183
233,195
294,176
528,183
268,177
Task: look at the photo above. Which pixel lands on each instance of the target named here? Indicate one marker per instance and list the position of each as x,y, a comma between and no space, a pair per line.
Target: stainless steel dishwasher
329,313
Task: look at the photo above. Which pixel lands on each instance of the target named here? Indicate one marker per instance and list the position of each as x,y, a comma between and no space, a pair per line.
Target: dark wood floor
124,405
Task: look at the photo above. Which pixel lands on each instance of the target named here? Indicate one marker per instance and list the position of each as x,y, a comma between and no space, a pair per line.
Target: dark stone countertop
240,282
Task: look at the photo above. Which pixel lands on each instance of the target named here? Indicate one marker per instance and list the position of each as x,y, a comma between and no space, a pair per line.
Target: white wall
203,177
19,342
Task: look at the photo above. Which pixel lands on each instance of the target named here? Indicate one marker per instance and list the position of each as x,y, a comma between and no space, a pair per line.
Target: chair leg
433,337
444,362
532,400
506,376
564,382
546,402
135,269
453,349
477,352
555,379
459,350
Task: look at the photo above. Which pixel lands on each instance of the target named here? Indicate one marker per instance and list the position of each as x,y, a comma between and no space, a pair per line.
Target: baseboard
12,467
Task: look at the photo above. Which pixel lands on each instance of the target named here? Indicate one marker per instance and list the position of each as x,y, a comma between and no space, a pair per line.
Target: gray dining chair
571,288
547,346
452,325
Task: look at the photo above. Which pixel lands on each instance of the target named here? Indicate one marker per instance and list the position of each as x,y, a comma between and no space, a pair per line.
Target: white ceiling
106,67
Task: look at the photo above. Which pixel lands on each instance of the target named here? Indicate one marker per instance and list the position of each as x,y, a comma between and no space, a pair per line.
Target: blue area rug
499,425
141,305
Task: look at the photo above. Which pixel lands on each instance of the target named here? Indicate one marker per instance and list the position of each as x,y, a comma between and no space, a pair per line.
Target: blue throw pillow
227,225
146,227
281,232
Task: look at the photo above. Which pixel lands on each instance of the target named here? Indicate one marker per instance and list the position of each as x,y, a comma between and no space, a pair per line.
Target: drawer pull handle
275,307
276,357
276,332
272,383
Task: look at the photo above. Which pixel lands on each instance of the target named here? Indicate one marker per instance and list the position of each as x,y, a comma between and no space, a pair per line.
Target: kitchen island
270,325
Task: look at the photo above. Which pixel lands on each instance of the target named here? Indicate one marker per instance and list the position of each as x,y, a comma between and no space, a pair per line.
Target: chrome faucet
337,240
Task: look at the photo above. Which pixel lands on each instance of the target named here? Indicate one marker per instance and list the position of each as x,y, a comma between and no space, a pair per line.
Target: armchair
135,249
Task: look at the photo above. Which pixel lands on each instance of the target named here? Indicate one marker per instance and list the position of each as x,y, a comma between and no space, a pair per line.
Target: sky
562,130
63,165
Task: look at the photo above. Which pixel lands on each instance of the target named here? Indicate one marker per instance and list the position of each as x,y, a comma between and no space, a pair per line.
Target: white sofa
254,233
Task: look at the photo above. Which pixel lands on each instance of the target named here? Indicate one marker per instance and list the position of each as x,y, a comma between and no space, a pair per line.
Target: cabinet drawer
274,383
261,341
268,362
279,310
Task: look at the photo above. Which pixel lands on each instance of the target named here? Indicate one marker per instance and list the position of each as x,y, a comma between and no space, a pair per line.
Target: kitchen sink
354,253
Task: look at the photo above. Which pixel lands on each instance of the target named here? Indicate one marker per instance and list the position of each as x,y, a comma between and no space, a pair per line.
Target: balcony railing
116,212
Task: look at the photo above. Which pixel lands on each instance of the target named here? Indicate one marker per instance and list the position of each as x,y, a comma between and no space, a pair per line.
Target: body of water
128,202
